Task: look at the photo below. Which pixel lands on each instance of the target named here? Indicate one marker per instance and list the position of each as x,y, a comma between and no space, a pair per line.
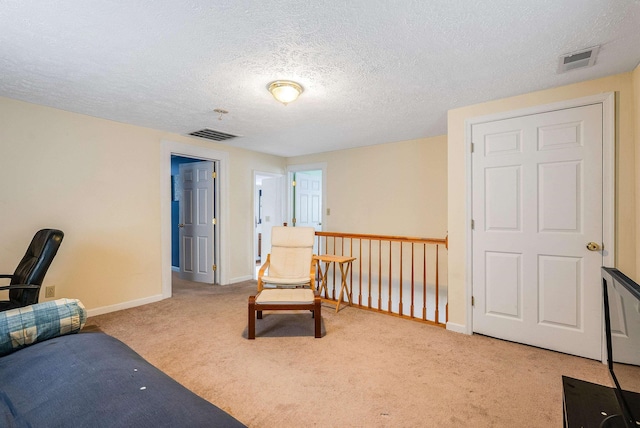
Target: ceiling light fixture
285,91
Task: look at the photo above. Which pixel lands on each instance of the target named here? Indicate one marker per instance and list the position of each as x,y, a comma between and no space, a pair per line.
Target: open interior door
197,221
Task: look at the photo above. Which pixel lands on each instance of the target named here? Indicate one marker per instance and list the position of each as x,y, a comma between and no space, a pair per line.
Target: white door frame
167,149
608,178
307,167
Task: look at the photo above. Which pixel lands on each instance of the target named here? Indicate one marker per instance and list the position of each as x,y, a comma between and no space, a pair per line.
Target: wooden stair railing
396,275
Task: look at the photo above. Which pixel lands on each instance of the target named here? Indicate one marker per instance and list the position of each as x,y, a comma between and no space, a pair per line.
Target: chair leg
251,333
317,316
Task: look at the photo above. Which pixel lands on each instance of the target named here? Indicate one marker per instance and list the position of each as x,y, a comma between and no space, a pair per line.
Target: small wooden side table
345,264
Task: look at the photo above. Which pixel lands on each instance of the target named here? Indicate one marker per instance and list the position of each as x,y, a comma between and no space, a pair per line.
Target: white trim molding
240,279
457,328
124,305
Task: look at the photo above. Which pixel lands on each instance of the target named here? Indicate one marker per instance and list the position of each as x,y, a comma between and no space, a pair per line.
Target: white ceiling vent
212,134
578,59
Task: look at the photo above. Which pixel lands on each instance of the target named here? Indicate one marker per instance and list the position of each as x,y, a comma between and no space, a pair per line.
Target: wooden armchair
286,281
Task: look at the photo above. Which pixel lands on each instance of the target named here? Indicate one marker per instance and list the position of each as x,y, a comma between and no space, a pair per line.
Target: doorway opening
269,211
193,219
220,199
306,196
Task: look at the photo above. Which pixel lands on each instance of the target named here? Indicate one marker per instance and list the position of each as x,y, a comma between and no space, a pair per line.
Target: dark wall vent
578,59
212,134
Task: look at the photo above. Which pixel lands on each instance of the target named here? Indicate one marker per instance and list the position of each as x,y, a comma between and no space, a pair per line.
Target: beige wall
626,181
390,189
99,181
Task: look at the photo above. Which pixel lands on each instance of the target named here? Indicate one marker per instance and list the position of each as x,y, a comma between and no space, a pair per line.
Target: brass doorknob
181,225
592,246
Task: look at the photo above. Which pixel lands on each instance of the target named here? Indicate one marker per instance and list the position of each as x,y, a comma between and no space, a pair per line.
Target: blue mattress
95,380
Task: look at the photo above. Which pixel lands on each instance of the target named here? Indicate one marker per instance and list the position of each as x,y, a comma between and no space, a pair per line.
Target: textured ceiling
374,71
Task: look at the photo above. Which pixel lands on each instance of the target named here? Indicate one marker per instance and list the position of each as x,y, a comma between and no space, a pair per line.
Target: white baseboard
125,305
457,328
240,279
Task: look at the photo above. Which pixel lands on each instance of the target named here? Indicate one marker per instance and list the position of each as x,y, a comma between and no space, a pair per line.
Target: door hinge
473,301
214,267
293,183
472,147
214,174
473,224
214,221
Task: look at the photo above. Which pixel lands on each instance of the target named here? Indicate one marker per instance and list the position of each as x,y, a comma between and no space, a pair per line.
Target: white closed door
308,192
196,227
537,202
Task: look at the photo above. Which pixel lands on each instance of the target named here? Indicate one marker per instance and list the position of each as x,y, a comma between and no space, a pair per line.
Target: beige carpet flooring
368,369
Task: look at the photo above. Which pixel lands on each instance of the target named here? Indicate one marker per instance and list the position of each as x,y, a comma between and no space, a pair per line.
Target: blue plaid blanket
25,326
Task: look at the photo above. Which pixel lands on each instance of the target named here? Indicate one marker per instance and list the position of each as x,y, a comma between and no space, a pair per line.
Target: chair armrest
312,275
261,272
19,287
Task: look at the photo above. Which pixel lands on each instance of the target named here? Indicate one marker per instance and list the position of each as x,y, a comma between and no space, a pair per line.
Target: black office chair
24,288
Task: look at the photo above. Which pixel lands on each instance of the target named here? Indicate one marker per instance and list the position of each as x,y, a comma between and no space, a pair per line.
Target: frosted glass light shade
285,91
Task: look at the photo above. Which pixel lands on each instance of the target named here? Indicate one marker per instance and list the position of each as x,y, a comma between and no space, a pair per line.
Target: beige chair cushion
285,282
290,258
283,236
285,296
290,263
